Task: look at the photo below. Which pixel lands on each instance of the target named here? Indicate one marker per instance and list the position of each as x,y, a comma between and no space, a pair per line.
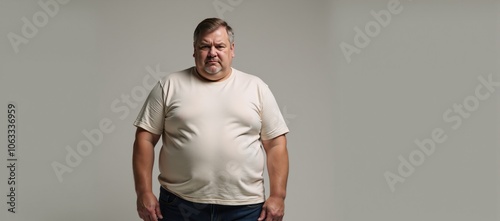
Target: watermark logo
40,19
427,146
94,137
223,6
372,29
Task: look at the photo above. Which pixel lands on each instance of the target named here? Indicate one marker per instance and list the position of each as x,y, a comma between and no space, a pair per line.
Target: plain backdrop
352,117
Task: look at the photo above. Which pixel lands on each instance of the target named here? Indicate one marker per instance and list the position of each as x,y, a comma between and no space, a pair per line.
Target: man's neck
225,76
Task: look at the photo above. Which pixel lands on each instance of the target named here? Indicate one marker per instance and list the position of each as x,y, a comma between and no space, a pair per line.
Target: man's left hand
273,209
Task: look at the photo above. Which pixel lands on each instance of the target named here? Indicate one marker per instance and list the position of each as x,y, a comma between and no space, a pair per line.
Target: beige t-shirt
211,134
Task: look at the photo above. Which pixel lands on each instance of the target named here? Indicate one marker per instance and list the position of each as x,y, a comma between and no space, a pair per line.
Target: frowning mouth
212,62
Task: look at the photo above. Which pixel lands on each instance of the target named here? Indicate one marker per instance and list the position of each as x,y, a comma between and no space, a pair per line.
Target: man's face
213,54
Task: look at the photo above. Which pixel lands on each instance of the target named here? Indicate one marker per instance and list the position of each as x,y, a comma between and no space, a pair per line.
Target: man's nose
212,52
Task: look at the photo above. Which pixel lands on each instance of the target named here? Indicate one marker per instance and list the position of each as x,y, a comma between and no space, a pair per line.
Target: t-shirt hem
145,126
276,134
219,201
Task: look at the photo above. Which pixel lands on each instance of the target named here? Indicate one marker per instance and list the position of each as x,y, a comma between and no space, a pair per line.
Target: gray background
349,121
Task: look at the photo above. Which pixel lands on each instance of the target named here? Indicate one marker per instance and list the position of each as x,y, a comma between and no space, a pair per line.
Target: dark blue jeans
174,208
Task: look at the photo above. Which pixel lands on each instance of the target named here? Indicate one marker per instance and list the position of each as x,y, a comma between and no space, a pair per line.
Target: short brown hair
210,24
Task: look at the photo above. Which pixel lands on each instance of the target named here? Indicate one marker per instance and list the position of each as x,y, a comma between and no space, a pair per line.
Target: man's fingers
150,217
152,214
148,214
158,211
143,215
148,207
269,216
262,214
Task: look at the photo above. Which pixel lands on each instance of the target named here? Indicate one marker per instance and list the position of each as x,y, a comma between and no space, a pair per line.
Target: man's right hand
142,164
148,207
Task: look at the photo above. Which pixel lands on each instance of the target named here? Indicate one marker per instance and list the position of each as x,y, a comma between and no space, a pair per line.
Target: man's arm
277,166
142,161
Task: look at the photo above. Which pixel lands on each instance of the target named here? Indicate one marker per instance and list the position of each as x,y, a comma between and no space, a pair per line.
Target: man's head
213,43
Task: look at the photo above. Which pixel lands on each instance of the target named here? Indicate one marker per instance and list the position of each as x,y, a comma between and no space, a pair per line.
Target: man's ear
232,50
194,49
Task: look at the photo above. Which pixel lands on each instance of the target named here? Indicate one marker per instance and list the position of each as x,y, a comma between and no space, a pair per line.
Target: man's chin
212,70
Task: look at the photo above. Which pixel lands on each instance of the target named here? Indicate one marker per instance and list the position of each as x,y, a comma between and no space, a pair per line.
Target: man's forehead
217,35
216,41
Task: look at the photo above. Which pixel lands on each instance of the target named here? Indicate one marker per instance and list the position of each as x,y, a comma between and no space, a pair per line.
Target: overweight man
217,126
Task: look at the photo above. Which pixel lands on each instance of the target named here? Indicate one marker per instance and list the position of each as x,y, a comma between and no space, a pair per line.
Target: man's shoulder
177,75
246,77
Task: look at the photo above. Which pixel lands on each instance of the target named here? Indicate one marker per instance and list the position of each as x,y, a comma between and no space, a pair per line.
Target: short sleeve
273,123
151,117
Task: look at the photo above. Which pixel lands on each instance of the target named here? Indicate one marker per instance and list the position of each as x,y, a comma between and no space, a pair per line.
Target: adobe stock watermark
372,29
223,6
94,137
30,28
455,115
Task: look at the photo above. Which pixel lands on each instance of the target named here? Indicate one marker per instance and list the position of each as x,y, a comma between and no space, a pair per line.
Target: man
215,123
